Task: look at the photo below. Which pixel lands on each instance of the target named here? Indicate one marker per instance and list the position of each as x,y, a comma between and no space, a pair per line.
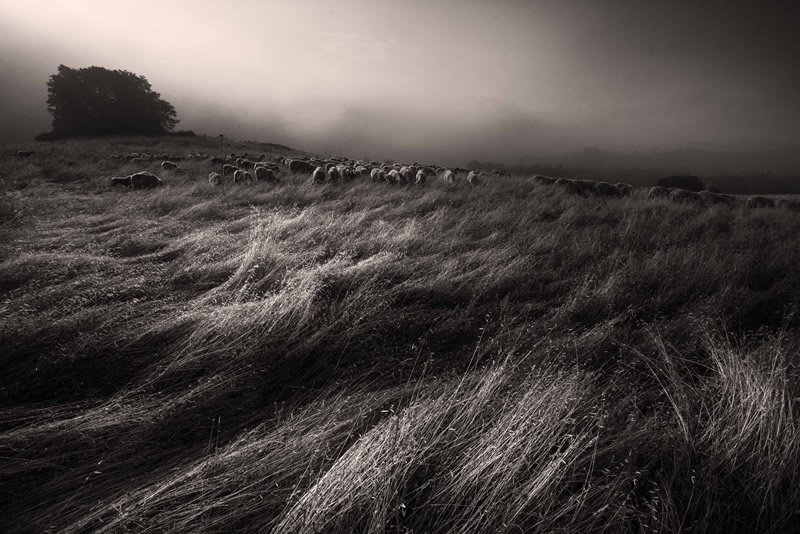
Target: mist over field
437,81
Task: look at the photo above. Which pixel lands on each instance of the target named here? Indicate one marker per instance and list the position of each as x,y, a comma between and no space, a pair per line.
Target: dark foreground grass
360,358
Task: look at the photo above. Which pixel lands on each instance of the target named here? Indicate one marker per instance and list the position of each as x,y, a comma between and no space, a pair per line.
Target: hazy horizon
441,80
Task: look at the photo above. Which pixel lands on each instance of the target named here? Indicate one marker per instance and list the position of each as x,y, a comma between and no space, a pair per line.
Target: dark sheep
759,202
121,181
24,153
570,187
145,180
228,170
299,166
714,198
265,174
587,186
168,165
543,180
606,189
658,192
791,205
682,196
624,189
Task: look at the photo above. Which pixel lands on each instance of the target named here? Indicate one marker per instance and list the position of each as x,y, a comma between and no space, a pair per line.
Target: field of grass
367,358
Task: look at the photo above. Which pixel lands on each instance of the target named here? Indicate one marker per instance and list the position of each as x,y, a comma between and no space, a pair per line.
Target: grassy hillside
366,358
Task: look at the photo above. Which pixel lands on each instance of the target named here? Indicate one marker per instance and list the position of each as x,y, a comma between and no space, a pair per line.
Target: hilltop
346,357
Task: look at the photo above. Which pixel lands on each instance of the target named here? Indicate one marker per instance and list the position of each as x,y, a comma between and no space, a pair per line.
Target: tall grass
361,358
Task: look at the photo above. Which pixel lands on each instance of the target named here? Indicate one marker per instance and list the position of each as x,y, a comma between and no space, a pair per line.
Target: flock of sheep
679,196
241,170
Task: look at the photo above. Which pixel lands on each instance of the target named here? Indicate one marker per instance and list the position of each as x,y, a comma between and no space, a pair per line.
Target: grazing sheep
214,178
498,172
144,180
759,202
242,176
791,205
606,189
247,164
216,160
115,156
265,174
318,176
121,180
298,166
449,176
375,175
587,186
682,196
570,186
168,165
393,177
405,175
333,175
544,180
714,198
624,189
229,170
658,192
421,177
345,172
472,178
24,153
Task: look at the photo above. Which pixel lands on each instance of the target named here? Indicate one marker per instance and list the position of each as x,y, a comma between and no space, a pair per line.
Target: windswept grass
361,358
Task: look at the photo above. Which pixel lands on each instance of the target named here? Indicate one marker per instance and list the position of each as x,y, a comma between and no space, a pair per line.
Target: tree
99,101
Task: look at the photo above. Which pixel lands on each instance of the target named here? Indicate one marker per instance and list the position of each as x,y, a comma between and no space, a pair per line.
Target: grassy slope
366,358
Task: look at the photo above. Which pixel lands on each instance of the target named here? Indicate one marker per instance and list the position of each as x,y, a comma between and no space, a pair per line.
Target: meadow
357,357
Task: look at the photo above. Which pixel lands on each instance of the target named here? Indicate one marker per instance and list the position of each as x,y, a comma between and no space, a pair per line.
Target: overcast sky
427,79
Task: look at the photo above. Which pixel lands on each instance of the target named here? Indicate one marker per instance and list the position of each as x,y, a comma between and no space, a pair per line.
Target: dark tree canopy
98,101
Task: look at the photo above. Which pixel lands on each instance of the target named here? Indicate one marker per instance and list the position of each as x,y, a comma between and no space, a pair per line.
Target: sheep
412,172
587,186
216,160
658,192
375,175
759,202
239,176
472,178
714,198
791,205
544,180
682,196
168,165
121,180
144,179
247,164
115,156
345,172
449,176
265,174
393,177
298,166
140,160
333,175
570,186
318,176
624,189
24,153
405,175
421,177
228,170
214,178
606,189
